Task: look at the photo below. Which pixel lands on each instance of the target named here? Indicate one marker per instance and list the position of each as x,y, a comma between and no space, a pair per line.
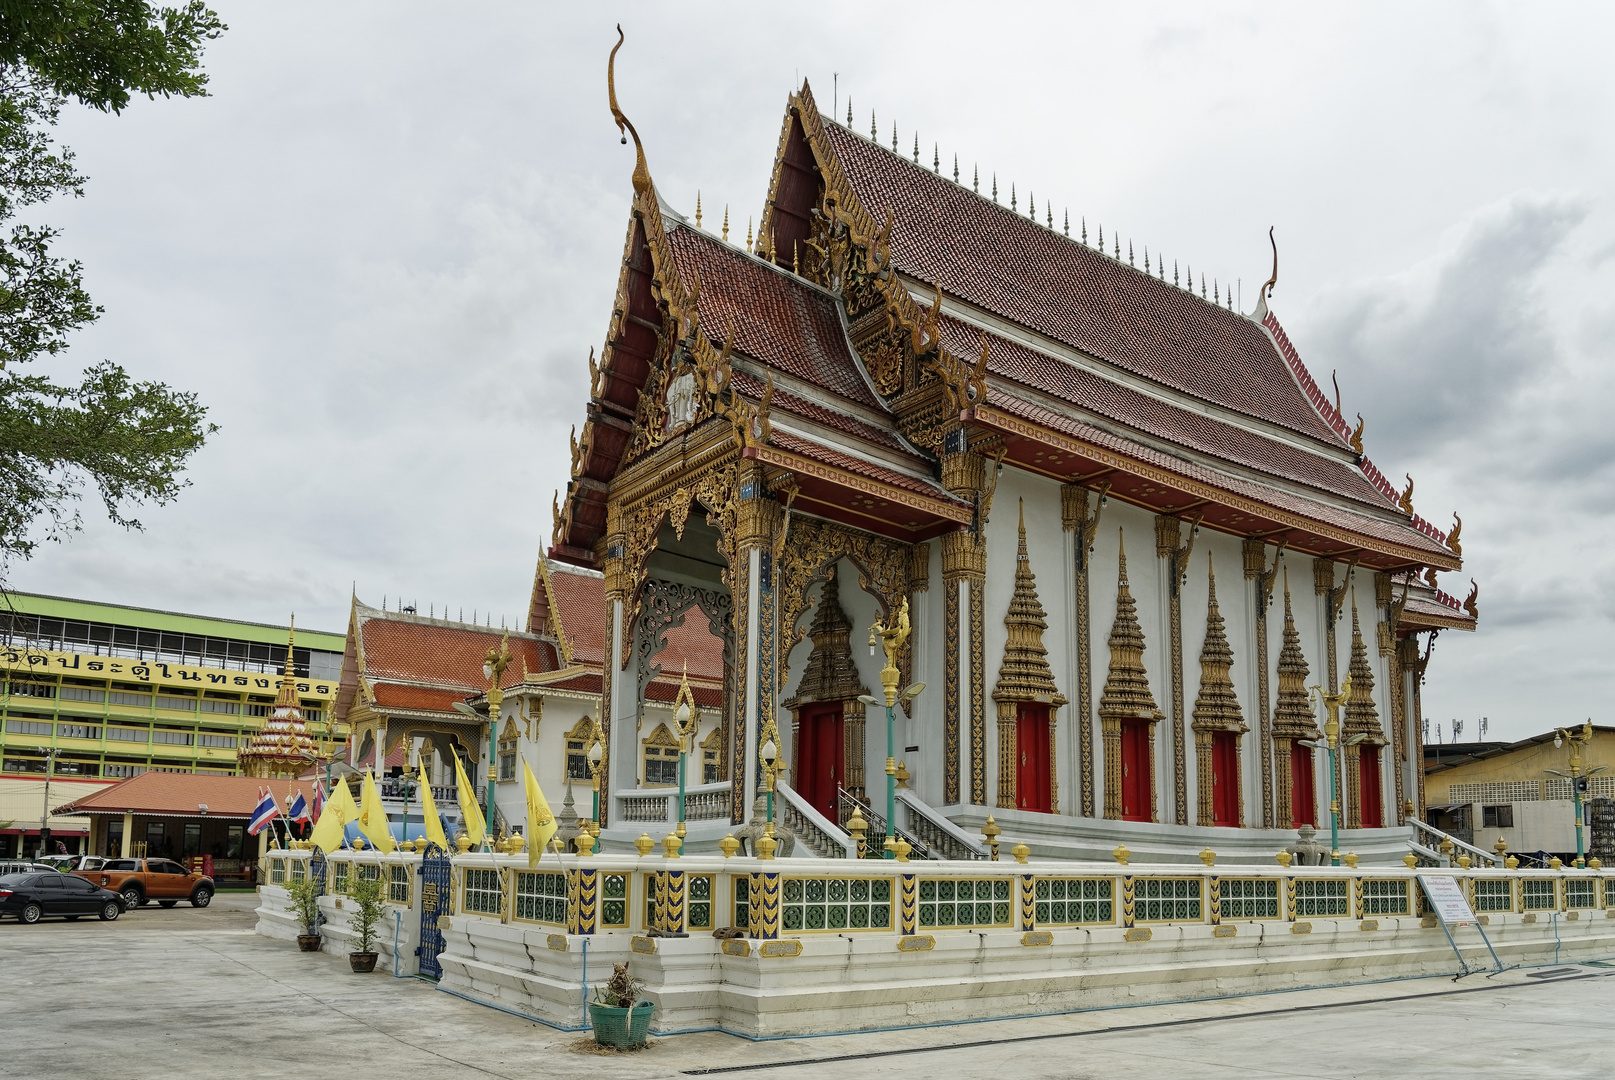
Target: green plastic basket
623,1028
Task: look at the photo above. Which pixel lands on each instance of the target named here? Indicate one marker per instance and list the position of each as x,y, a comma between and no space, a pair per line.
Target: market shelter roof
184,794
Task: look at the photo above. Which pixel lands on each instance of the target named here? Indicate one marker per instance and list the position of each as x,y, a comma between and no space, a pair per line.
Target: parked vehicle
22,866
69,863
140,880
31,897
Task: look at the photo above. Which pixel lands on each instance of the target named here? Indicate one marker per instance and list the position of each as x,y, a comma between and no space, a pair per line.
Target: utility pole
44,813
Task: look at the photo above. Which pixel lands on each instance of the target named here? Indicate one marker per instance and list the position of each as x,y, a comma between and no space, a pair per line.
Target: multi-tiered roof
282,748
883,308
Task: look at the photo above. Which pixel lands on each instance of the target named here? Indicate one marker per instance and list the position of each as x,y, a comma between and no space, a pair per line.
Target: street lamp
685,719
493,669
1577,778
597,758
771,763
892,637
1331,742
44,814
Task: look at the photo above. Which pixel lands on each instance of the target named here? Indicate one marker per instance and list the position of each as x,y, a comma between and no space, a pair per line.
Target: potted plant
304,895
619,1016
367,912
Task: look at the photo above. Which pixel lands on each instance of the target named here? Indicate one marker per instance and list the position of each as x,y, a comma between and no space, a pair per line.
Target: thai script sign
46,662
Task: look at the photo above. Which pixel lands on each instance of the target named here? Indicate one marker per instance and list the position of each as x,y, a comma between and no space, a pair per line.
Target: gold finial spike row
726,223
1068,221
748,234
916,148
697,208
1012,195
936,159
873,134
955,168
975,179
894,136
849,110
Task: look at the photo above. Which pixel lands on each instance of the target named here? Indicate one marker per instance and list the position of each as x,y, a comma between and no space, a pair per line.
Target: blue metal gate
436,902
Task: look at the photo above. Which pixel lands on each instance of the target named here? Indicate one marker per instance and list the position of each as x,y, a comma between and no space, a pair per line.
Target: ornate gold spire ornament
697,208
281,749
1216,708
642,182
1127,687
1406,501
1292,716
1452,537
726,223
1357,435
1023,676
1361,718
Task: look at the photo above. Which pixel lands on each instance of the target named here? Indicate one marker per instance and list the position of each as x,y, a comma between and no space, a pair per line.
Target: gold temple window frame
662,748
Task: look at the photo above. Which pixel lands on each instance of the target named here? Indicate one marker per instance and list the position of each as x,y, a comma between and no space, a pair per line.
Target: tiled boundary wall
856,945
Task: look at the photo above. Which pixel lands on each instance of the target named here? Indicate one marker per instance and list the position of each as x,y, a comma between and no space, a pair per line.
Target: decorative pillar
758,518
964,570
1262,578
1024,676
618,585
1075,517
1389,648
1127,690
1323,583
1216,708
1292,718
1170,547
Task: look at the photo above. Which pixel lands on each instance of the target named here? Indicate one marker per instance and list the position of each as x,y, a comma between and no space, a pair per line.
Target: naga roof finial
641,169
1267,288
1357,434
1452,537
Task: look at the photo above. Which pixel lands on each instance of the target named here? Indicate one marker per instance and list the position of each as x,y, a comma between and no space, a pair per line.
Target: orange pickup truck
162,880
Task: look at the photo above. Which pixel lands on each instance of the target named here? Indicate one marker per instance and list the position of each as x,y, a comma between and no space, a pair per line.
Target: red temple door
821,750
1303,794
1032,788
1368,788
1137,783
1225,778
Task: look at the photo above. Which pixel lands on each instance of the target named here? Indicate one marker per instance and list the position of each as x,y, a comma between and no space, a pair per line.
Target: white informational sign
1447,897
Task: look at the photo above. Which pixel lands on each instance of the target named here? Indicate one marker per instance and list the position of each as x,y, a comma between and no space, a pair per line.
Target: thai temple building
1074,474
282,749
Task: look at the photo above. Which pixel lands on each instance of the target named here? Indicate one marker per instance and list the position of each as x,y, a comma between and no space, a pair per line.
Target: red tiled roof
419,650
581,599
1012,360
1000,261
778,318
397,696
180,794
1391,530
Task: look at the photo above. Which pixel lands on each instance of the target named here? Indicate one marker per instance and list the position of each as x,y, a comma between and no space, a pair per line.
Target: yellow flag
541,824
434,824
469,810
373,817
339,809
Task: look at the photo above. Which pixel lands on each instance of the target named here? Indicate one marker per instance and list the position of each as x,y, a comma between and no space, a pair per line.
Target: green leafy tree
60,431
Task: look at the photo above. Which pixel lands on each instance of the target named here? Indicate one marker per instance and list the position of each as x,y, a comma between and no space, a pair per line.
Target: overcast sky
383,248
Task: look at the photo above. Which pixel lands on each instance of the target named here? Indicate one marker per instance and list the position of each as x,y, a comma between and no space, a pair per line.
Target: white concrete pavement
188,993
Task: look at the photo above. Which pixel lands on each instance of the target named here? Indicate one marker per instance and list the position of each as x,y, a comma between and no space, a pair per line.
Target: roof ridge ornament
1260,311
642,183
1357,434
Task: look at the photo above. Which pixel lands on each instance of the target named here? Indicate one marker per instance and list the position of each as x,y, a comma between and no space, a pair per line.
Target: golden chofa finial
697,208
641,169
726,223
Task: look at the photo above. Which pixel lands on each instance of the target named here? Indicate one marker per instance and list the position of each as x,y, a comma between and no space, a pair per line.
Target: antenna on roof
835,92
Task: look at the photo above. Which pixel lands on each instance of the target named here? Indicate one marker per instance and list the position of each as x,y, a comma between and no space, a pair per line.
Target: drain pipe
584,989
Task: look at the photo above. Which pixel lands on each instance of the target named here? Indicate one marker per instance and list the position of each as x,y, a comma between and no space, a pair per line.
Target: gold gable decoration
1024,675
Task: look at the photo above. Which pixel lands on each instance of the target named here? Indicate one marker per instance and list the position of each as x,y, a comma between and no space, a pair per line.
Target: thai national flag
298,810
265,812
319,800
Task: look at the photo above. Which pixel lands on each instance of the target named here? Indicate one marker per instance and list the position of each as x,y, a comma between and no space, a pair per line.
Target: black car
30,897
